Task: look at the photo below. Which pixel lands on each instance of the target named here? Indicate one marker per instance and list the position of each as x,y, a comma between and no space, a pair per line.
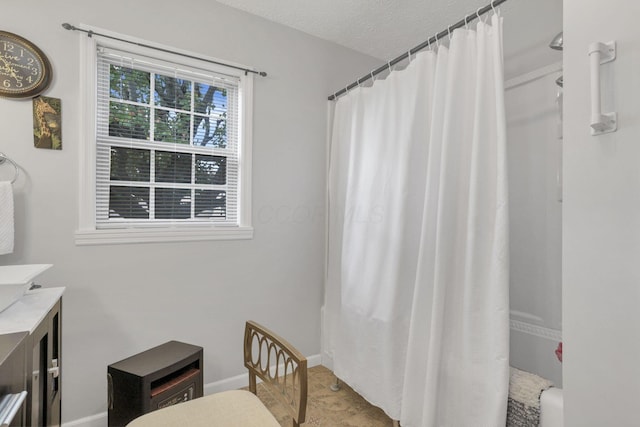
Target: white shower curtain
416,309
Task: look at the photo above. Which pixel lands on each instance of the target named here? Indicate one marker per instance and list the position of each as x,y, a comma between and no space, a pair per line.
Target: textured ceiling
380,28
385,29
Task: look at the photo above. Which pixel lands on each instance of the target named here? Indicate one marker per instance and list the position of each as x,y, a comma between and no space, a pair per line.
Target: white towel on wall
6,218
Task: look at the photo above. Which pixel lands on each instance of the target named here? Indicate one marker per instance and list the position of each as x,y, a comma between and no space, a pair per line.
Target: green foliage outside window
130,108
147,106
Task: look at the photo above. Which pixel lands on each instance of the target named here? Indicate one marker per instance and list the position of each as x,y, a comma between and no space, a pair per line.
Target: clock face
24,69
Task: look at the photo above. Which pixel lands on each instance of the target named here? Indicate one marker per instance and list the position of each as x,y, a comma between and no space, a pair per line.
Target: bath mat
523,409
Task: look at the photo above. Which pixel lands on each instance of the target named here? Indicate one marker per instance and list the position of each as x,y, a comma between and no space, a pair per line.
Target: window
169,148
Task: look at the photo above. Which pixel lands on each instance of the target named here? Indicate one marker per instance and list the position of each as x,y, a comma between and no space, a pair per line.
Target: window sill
125,236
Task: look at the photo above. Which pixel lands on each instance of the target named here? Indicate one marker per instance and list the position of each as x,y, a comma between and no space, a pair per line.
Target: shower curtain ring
373,78
389,66
478,13
409,56
466,24
493,7
449,31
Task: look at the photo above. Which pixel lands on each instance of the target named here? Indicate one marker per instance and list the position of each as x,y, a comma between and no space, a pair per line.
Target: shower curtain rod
438,36
91,33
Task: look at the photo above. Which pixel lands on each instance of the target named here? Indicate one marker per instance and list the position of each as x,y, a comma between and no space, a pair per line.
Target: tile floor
326,408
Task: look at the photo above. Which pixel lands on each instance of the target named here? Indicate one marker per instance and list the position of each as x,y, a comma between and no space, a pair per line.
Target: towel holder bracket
3,159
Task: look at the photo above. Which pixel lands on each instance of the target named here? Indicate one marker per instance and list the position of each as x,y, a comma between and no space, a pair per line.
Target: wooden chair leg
252,383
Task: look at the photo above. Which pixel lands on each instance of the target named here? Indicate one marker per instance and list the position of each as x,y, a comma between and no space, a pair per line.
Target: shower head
556,43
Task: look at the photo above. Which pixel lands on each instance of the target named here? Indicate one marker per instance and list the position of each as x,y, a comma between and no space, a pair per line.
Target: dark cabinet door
13,357
43,407
53,379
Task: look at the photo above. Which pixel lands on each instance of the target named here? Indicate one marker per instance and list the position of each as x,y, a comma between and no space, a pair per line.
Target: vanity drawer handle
55,369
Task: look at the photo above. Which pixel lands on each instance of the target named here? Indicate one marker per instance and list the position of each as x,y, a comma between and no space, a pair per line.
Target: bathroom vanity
30,337
13,382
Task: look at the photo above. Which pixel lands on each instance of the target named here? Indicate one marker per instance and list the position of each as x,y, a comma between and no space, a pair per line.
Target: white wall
529,26
122,299
534,211
601,221
535,222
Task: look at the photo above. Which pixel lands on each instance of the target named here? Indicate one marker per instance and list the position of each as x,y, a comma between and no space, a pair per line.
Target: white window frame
87,232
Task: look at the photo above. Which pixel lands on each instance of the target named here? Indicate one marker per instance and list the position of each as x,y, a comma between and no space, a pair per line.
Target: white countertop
25,314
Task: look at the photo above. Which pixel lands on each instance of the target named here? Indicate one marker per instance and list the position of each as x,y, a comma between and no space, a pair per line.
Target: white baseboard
233,383
314,360
327,360
242,380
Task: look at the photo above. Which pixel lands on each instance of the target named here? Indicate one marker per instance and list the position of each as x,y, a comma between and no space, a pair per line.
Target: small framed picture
47,123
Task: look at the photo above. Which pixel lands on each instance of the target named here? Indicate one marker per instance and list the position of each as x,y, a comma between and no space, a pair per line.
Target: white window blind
167,144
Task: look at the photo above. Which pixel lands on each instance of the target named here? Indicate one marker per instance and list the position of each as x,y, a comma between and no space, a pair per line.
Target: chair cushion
235,408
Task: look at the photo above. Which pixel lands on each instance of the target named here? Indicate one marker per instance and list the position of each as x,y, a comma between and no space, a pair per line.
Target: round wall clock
25,71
